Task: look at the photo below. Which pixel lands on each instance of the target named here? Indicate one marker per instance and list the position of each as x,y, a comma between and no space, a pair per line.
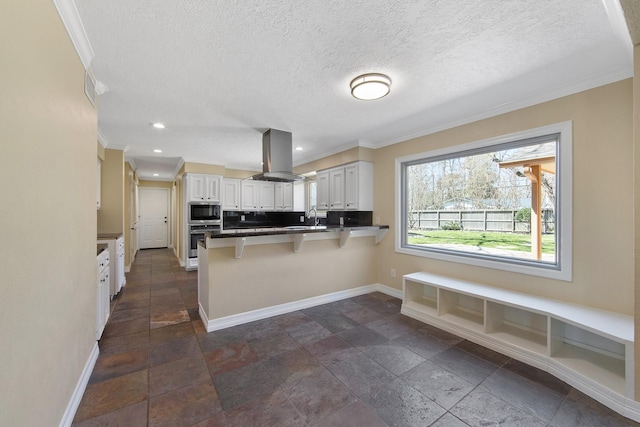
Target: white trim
565,184
73,24
276,310
618,23
81,386
102,139
518,104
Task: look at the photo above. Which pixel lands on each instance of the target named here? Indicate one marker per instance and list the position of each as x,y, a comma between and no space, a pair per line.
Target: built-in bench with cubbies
590,349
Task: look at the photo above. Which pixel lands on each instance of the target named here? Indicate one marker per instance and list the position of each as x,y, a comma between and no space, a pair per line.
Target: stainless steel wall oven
196,232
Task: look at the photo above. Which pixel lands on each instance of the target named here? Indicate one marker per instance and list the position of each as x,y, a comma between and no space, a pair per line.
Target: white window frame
564,211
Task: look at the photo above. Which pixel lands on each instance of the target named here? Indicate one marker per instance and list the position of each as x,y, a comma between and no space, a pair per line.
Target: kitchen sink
306,227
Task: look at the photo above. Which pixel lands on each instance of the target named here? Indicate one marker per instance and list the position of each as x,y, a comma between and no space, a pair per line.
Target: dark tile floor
355,362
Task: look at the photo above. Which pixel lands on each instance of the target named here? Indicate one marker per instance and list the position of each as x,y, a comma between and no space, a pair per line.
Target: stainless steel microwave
204,213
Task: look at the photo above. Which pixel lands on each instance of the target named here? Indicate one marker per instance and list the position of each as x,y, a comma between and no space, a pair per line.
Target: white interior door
154,221
133,220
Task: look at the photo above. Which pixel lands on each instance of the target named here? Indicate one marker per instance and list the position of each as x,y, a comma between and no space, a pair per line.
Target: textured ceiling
219,73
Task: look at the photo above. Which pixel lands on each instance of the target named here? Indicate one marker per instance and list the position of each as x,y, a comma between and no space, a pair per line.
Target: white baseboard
276,310
81,386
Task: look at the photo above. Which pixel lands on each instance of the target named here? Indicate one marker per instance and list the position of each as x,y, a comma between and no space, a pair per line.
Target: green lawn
508,241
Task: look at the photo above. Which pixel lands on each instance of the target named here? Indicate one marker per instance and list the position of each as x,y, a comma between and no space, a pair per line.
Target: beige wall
111,212
602,199
155,184
203,168
264,276
347,156
48,269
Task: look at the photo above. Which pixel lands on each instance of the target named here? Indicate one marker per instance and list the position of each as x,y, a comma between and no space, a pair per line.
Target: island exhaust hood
277,157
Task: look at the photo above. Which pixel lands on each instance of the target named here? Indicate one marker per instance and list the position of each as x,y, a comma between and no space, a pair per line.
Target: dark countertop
109,236
101,247
269,231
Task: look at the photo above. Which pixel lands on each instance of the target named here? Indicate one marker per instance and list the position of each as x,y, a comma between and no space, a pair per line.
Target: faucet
315,216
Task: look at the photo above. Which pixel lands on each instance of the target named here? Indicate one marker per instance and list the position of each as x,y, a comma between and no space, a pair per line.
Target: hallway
355,362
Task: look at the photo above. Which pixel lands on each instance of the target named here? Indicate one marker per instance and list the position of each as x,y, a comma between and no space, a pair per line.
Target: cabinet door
351,187
322,190
249,195
230,194
336,189
197,188
287,196
267,195
212,188
283,196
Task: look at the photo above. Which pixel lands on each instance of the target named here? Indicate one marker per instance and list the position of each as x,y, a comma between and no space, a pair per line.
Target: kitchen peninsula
250,274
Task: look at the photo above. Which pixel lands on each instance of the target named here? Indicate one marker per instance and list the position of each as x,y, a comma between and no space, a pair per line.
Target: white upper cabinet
348,187
336,189
283,196
231,194
358,186
250,198
322,190
267,195
204,188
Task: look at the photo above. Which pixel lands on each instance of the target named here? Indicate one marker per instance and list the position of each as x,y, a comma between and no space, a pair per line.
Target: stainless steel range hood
277,157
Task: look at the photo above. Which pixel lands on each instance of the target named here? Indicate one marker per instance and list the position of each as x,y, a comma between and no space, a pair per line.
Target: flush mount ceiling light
370,86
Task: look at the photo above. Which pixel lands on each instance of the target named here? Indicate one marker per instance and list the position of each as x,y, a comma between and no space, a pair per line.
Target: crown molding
555,93
72,22
124,148
177,169
618,23
102,139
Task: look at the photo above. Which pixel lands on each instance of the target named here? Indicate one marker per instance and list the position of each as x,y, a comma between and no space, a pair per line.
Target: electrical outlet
393,272
241,217
301,218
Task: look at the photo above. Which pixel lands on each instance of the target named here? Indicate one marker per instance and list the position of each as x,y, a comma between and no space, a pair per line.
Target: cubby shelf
590,349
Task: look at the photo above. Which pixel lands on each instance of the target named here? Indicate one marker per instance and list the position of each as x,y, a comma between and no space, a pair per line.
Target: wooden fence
478,220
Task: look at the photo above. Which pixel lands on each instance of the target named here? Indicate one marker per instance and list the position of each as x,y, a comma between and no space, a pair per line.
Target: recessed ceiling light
299,148
155,174
370,86
157,150
158,125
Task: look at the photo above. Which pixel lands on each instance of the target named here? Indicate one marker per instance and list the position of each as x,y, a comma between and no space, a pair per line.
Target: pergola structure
534,160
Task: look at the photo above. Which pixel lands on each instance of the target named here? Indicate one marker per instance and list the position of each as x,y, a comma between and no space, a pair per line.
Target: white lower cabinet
103,297
120,279
590,349
116,265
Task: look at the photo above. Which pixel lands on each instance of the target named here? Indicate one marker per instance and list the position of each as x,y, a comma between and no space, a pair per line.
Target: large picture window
502,203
